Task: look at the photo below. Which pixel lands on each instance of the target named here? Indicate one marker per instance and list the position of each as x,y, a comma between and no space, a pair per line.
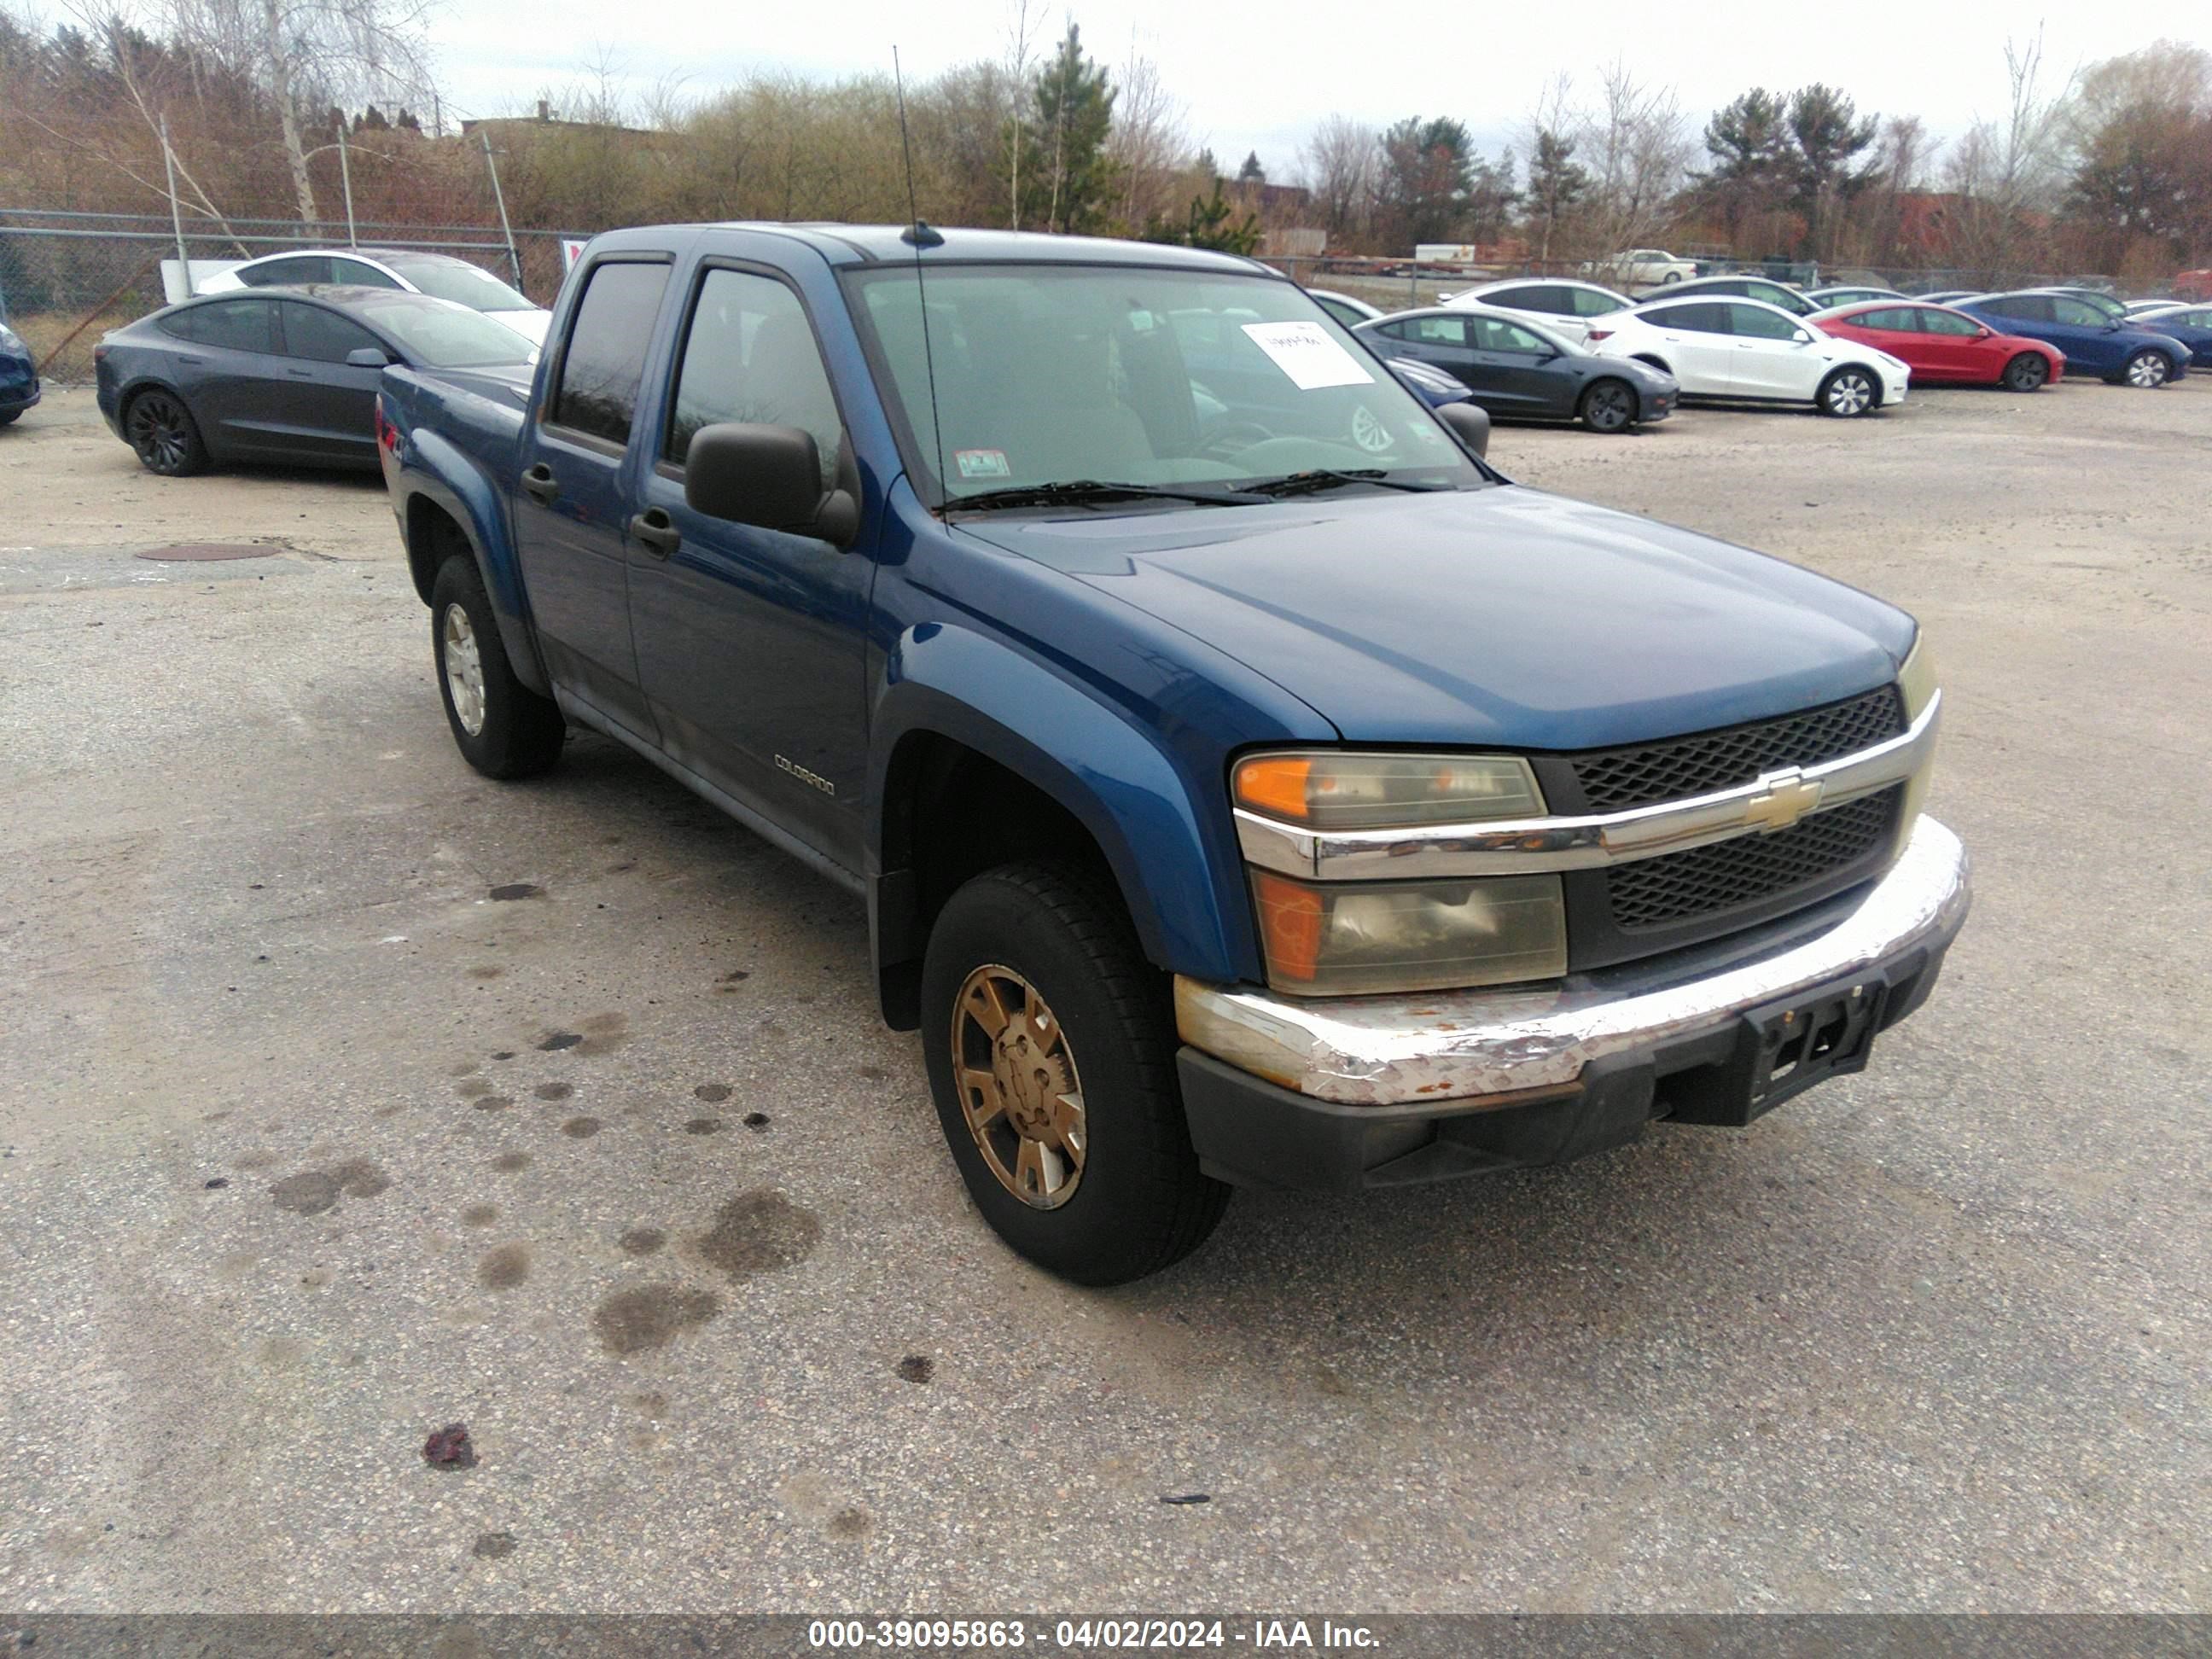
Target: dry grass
45,332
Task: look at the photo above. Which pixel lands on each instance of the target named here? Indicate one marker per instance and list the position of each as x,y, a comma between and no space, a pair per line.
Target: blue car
19,376
2190,324
2093,343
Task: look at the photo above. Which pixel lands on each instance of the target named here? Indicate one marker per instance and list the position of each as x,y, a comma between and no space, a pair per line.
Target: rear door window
229,326
291,270
604,362
1698,317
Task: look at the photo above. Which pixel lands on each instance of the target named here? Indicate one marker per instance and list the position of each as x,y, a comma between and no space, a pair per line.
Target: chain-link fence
1404,284
67,278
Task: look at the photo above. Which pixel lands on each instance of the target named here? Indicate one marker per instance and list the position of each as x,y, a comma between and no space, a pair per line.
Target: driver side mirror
1469,423
771,477
367,358
1800,338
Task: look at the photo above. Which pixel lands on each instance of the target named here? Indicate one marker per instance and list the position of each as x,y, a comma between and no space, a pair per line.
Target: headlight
1368,937
1330,790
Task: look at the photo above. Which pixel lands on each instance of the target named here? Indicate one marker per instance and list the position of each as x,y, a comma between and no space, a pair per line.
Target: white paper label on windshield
1305,353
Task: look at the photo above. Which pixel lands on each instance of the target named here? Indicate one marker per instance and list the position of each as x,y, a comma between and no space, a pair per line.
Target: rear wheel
2026,372
2147,369
1608,405
503,728
1848,393
162,431
1051,1052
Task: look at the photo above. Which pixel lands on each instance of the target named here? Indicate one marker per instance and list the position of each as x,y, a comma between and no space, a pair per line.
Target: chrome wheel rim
157,432
1850,394
1609,408
464,666
2148,369
1019,1090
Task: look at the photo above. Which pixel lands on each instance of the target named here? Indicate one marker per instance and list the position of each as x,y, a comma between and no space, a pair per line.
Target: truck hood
1502,615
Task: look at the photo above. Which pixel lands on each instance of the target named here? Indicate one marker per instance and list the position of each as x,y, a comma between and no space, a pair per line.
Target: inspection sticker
1305,353
982,463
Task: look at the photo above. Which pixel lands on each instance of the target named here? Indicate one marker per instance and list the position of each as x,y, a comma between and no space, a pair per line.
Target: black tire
7,417
161,432
1848,393
2026,372
1608,405
1138,1200
2147,369
517,734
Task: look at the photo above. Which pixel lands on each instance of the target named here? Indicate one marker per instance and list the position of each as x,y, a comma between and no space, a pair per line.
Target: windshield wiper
1078,491
1319,478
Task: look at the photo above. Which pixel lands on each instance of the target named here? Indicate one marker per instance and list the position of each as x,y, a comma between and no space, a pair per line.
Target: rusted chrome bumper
1453,1049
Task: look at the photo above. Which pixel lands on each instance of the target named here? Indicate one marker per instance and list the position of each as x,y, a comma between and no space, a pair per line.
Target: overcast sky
1257,75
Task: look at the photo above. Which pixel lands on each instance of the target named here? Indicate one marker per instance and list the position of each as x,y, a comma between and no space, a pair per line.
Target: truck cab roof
849,245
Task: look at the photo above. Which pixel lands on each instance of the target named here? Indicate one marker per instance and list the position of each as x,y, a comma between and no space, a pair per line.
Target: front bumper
1359,1091
16,398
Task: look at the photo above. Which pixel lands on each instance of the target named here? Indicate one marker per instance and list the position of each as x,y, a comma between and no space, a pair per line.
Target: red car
1943,345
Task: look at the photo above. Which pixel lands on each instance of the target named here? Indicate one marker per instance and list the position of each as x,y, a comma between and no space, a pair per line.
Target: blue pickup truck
1248,783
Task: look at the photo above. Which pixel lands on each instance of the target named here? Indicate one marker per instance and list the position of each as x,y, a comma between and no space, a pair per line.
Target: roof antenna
920,236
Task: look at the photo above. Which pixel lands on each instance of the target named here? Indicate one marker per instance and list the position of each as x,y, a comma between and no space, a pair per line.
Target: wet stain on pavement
503,1267
580,1128
650,1401
486,972
713,1093
479,1215
560,1039
703,1125
493,1102
256,1159
510,1163
851,1522
916,1368
470,1088
651,1316
642,1240
756,1121
756,1232
554,1090
493,1545
603,1033
874,1073
312,1192
517,890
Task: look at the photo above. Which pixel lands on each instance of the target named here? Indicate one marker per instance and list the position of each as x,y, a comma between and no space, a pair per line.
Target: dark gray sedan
1517,369
287,375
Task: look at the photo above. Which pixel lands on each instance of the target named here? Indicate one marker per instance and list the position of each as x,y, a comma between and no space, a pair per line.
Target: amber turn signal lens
1290,926
1275,785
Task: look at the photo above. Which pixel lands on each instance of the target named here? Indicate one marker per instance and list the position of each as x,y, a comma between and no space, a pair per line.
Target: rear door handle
541,485
301,374
656,532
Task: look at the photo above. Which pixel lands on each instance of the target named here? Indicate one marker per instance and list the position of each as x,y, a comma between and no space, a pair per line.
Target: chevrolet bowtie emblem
1784,798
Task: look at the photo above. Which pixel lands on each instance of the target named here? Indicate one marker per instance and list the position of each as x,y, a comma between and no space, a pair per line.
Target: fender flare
1173,862
439,472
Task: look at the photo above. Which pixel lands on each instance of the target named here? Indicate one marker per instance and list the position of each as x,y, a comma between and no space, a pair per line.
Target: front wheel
2026,372
2147,369
502,728
1848,393
1051,1052
163,434
1607,406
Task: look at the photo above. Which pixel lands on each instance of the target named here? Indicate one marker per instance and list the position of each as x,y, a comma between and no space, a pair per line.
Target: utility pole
345,175
176,217
500,197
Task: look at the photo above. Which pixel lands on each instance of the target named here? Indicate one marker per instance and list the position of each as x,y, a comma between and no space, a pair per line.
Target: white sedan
1642,267
412,270
1753,352
1562,305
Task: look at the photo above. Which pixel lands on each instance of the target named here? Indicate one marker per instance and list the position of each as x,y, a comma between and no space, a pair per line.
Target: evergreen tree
1068,163
1750,144
1252,173
1557,185
1827,134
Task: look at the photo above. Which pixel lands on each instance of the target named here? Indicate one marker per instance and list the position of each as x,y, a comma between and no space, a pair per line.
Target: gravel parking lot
348,1095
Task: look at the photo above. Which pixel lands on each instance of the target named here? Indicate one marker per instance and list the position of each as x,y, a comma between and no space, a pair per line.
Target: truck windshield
1053,374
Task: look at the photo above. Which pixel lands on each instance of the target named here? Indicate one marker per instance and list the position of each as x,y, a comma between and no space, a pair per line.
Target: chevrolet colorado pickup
1246,782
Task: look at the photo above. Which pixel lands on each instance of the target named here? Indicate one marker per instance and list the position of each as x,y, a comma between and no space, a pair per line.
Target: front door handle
540,483
656,532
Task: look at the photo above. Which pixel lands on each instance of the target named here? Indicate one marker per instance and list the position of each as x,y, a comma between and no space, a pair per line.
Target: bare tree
1021,48
1338,161
1637,148
1148,142
2003,168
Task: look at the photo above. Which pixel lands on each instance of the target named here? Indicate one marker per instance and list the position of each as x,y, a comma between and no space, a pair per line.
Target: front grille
1614,780
1726,875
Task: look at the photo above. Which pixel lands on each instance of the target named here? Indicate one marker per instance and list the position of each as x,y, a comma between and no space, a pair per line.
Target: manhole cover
213,550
